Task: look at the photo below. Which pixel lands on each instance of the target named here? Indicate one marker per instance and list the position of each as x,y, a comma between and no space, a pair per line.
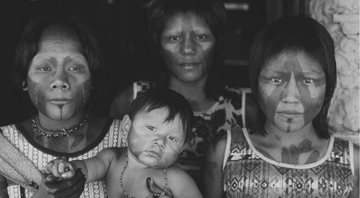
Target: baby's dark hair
156,98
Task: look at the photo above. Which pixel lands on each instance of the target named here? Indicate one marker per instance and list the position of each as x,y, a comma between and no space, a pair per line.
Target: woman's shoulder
180,183
18,127
6,128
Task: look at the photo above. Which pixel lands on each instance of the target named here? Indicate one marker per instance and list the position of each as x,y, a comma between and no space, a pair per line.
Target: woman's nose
60,81
291,93
188,46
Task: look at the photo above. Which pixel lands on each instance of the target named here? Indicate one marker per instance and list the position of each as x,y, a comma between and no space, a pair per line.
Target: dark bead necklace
51,133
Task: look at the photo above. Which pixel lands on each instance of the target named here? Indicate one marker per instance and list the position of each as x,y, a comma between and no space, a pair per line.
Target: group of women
274,142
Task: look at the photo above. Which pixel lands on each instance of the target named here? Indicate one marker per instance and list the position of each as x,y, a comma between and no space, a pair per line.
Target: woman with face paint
57,66
291,152
189,36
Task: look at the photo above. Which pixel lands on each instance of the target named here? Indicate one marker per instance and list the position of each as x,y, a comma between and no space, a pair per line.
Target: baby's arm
181,184
97,167
94,168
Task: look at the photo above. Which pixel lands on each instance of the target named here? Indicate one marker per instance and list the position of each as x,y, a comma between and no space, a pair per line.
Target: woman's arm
69,188
121,103
212,172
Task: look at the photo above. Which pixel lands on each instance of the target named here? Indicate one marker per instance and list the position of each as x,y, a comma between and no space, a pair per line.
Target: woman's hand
156,191
51,187
59,168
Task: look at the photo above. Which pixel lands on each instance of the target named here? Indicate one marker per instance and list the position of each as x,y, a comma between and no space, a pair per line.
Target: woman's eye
277,80
151,128
44,68
174,38
202,37
174,139
74,68
308,81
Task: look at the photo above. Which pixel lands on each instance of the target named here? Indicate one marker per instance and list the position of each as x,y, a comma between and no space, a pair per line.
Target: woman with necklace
291,153
58,66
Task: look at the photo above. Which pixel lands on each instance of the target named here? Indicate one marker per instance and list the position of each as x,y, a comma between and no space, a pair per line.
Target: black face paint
289,120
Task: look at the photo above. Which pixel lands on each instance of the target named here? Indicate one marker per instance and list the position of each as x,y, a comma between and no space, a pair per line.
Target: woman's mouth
190,64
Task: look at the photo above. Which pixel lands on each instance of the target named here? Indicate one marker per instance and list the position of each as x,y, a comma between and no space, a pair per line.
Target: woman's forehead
59,32
293,61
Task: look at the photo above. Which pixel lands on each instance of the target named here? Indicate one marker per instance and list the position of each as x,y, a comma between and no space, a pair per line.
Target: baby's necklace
122,184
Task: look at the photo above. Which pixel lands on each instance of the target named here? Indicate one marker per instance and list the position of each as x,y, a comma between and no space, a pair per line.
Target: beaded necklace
51,133
153,194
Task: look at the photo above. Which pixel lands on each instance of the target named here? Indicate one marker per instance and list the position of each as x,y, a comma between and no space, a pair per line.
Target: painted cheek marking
266,89
316,92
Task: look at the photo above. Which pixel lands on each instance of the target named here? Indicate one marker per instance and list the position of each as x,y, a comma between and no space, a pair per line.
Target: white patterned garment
92,190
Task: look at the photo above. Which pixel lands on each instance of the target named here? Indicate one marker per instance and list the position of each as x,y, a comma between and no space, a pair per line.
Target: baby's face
154,141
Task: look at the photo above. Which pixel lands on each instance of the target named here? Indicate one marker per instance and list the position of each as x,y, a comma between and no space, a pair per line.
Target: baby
158,125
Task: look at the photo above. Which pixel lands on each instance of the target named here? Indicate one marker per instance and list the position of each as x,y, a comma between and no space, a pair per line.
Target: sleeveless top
247,173
227,112
111,137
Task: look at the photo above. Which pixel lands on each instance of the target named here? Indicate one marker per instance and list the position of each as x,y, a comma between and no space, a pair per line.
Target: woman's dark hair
28,47
213,13
157,98
297,33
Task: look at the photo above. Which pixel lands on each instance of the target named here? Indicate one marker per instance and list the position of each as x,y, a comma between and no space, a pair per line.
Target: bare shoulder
181,184
111,153
218,148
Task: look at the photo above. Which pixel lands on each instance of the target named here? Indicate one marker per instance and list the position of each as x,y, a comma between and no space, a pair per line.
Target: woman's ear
125,124
24,85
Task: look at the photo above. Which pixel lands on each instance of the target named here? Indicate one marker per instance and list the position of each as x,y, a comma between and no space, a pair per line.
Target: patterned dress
248,173
226,113
110,137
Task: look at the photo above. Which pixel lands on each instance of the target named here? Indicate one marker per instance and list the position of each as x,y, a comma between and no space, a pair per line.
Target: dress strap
351,158
227,147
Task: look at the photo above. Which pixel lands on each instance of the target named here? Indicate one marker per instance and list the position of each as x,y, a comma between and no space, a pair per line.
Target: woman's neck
297,147
285,139
49,123
194,92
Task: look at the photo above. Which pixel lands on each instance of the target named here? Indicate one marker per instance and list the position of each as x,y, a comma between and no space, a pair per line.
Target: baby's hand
60,169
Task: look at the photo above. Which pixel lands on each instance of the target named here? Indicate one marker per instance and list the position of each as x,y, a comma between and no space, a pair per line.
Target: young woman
57,65
291,153
189,36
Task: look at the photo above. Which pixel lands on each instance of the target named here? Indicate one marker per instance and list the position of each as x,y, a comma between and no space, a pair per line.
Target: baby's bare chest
133,181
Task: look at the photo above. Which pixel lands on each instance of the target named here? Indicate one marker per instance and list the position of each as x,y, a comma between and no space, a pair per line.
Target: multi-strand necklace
53,133
122,184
